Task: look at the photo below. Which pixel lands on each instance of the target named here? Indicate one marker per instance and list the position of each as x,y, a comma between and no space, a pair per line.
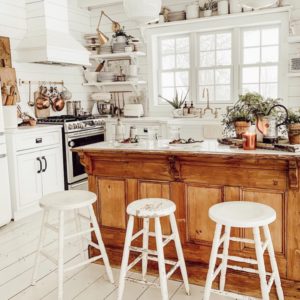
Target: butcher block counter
195,178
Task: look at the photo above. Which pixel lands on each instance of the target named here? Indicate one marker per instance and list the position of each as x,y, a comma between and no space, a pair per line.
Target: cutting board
8,76
41,113
5,52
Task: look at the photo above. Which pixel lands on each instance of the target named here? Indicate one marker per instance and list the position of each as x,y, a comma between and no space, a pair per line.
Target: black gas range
77,131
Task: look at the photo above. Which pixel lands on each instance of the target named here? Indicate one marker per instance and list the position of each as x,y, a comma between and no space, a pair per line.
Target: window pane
269,74
168,46
207,59
168,93
251,75
251,38
182,91
251,88
183,61
223,76
207,42
182,45
223,93
206,77
168,62
270,54
211,90
270,36
251,55
223,57
269,90
182,78
167,79
224,40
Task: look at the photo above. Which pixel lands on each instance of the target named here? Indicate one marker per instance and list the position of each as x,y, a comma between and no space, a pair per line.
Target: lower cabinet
35,171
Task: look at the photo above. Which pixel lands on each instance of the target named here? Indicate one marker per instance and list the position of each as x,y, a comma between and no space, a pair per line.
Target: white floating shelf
129,55
116,83
294,39
294,74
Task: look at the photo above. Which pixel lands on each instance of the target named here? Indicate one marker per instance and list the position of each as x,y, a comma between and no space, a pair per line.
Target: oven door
75,170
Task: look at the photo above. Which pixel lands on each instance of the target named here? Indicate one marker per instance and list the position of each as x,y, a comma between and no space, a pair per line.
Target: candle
249,141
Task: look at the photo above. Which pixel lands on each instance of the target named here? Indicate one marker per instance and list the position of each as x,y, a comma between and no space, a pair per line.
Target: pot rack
40,82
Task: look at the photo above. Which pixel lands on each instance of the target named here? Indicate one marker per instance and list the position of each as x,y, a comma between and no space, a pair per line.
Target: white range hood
48,39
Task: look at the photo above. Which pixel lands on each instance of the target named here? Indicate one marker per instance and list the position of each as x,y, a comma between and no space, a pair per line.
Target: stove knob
71,144
81,125
70,126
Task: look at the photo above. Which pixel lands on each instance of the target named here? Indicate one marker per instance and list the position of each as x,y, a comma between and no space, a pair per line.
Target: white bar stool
70,201
243,215
152,209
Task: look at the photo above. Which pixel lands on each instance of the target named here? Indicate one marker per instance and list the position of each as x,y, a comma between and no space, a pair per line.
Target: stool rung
265,245
94,245
242,240
271,281
222,239
138,259
142,250
52,259
239,259
84,217
168,240
152,234
218,270
51,227
173,269
142,282
249,270
135,236
89,261
232,295
68,237
167,261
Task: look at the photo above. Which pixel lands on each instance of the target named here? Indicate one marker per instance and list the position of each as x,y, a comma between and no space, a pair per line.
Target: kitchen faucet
207,99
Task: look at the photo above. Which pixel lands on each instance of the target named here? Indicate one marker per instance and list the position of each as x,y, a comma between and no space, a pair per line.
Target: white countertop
29,129
206,147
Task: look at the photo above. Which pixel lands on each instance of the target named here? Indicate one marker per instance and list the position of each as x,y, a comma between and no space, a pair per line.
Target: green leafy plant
210,5
122,32
294,117
176,102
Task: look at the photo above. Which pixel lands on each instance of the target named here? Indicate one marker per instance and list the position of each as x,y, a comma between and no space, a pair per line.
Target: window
260,61
174,53
215,66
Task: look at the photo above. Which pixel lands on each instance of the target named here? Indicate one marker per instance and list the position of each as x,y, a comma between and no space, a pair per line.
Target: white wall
117,13
13,25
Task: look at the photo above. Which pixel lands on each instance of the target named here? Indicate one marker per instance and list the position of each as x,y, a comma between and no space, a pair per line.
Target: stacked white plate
119,47
106,76
176,16
106,49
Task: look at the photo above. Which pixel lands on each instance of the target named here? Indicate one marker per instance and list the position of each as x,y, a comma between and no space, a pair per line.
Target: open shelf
291,74
294,39
116,56
115,83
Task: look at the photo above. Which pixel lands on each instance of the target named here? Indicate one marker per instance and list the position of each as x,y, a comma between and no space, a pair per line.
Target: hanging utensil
30,101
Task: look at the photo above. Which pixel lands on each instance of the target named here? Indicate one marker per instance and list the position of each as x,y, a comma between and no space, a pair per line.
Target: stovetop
65,119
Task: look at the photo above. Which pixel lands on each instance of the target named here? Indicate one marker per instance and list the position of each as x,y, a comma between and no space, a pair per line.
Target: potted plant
121,37
177,102
209,7
293,126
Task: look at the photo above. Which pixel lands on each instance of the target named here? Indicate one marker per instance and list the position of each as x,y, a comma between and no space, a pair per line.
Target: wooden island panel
195,183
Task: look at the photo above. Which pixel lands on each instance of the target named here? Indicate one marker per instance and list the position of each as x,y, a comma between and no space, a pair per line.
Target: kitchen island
195,178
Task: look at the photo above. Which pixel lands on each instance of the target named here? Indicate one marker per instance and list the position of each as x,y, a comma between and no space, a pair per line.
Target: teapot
270,125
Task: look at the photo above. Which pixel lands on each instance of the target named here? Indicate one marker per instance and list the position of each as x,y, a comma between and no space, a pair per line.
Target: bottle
192,109
120,131
100,66
185,109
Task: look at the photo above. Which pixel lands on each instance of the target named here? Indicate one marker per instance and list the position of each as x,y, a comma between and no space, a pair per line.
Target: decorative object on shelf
209,7
102,38
293,126
142,11
258,4
176,16
90,77
223,7
235,6
294,64
192,11
5,52
122,37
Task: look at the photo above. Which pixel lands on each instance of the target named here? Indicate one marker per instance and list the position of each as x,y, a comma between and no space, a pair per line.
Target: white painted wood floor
18,243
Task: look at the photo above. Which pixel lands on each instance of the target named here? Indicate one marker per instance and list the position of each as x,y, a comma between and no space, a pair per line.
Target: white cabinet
36,166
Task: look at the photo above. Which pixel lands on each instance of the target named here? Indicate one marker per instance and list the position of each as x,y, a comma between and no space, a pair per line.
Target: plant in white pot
177,102
209,7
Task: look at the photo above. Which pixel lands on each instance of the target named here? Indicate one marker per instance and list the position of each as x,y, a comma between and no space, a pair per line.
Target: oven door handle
79,136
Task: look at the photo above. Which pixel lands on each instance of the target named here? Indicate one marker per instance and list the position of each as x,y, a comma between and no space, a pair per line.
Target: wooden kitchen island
196,178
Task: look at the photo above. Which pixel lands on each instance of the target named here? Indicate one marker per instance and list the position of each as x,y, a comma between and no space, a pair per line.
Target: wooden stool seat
68,200
242,214
62,202
151,208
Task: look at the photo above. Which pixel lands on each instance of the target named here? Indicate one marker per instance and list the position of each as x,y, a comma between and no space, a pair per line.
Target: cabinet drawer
29,141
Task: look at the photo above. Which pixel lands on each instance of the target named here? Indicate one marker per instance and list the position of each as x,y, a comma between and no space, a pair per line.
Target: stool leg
273,263
212,262
78,229
101,244
145,246
125,258
261,264
40,246
61,256
161,260
180,253
225,258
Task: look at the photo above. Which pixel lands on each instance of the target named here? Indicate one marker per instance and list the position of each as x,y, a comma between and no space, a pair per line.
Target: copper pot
58,104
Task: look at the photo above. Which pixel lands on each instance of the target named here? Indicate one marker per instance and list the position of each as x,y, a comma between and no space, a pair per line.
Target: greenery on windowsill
176,102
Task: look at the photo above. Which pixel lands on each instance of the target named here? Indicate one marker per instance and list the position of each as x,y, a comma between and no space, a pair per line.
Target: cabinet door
52,175
29,179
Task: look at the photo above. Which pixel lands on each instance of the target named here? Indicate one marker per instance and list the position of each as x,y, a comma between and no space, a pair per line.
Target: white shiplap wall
13,25
116,12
